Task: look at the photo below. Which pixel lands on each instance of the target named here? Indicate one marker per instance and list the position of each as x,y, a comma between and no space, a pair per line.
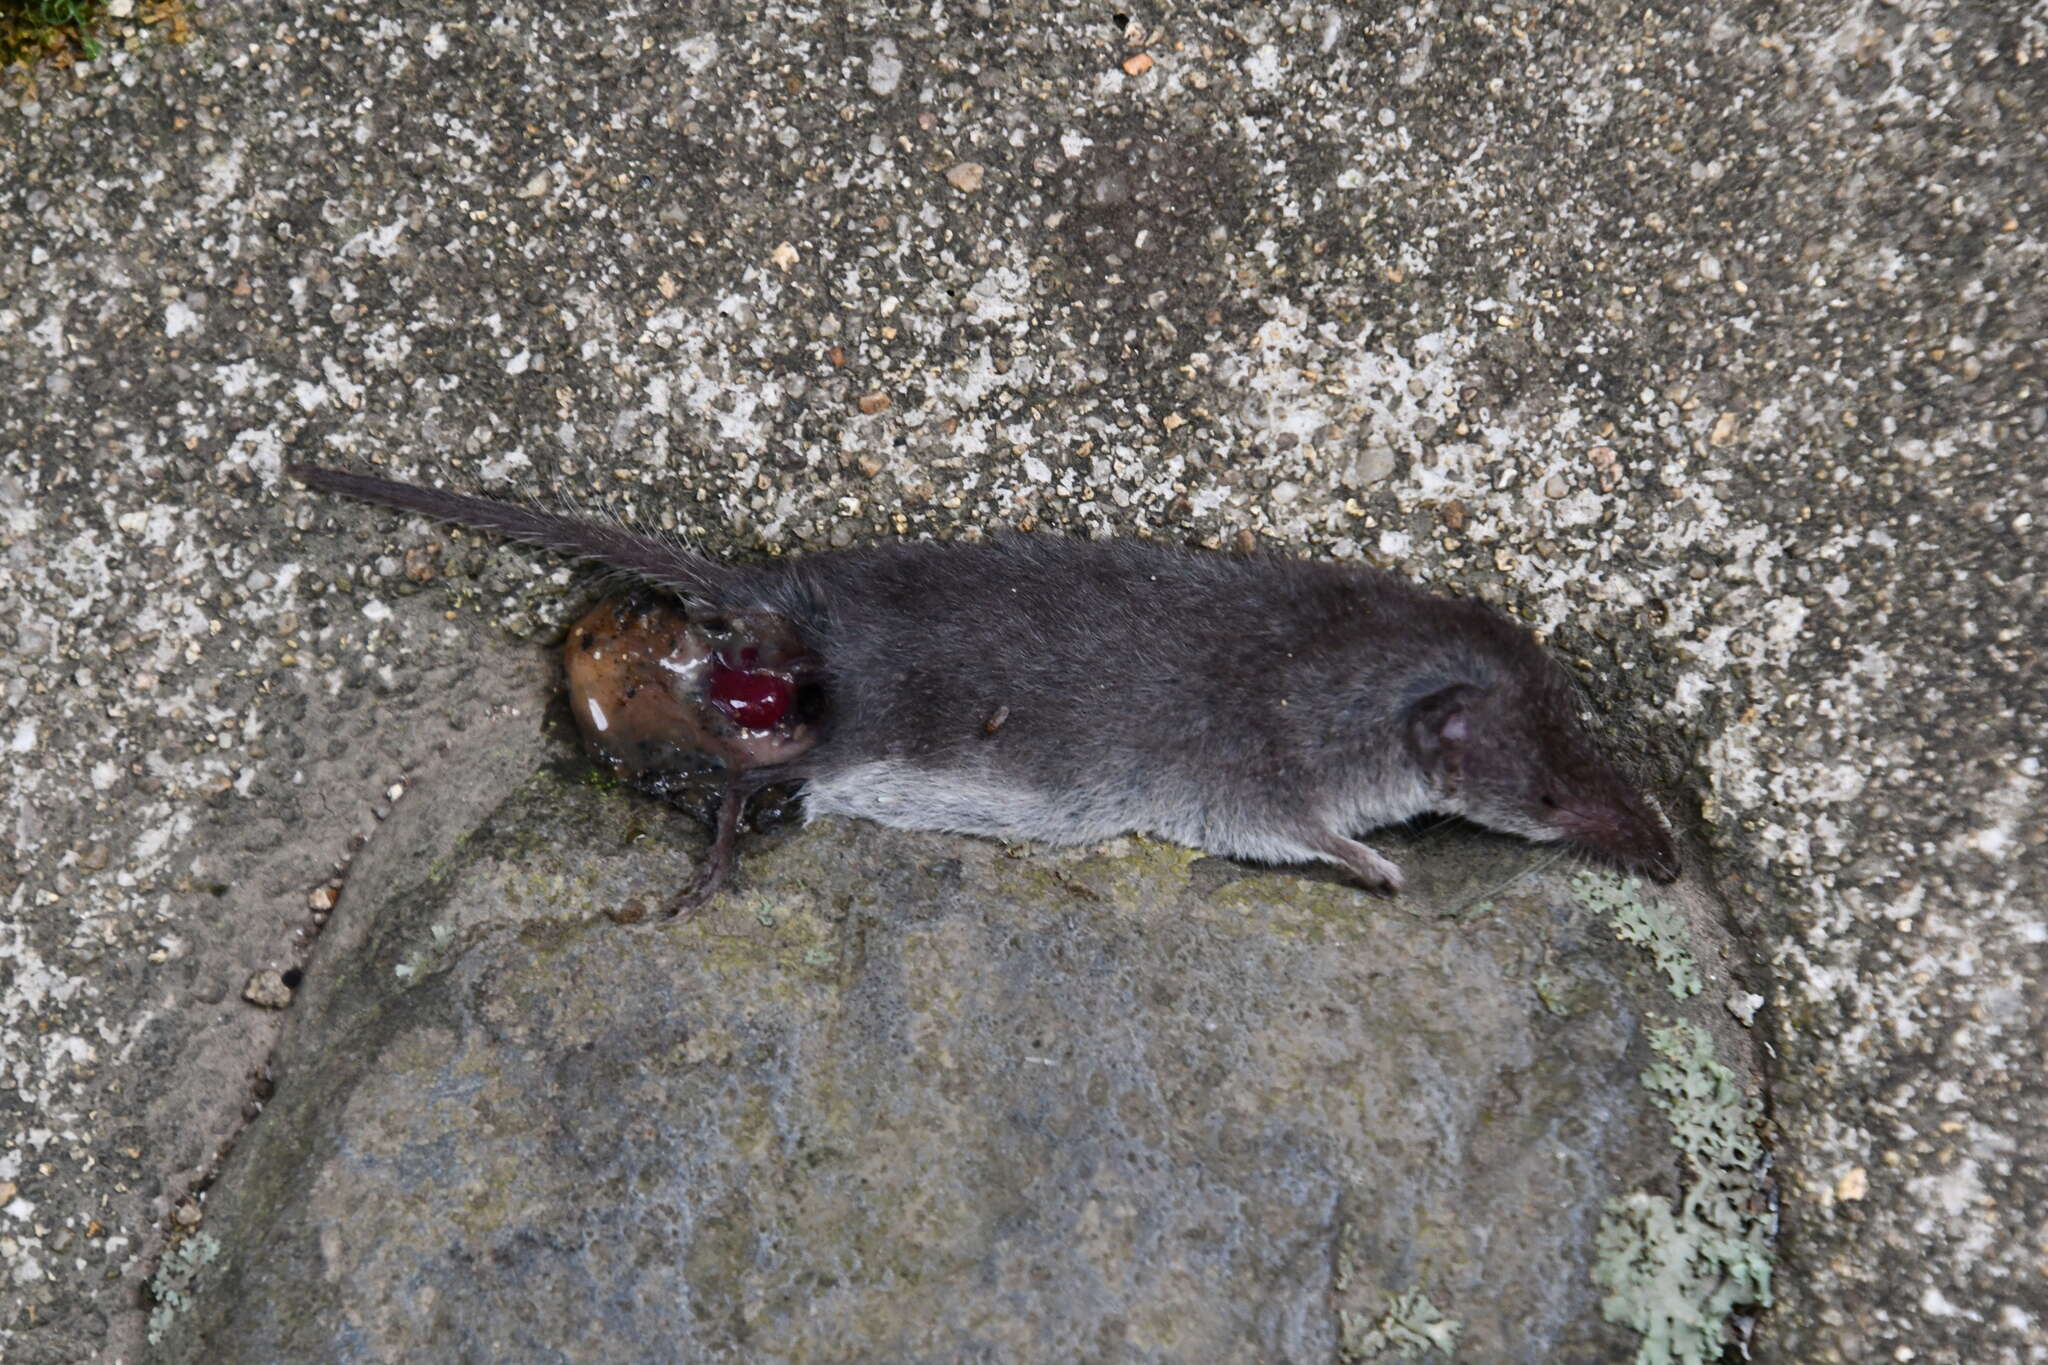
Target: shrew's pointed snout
1648,847
1661,865
1629,838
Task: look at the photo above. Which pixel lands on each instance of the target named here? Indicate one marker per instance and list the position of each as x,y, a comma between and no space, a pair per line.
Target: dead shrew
1067,691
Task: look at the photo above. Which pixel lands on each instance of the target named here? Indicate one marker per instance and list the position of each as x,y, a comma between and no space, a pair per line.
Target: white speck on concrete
885,68
498,468
698,53
1934,1302
1262,67
49,334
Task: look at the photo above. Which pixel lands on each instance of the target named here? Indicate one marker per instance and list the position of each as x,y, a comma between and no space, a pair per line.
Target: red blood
754,701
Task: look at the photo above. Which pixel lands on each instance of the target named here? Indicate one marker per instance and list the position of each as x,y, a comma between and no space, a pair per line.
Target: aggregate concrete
1708,339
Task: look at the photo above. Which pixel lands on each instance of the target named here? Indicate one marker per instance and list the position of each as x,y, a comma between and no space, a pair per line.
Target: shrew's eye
1549,801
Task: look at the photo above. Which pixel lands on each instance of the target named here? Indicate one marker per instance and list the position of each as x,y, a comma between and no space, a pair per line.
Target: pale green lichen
1410,1325
1646,923
177,1279
1478,909
421,960
1675,1272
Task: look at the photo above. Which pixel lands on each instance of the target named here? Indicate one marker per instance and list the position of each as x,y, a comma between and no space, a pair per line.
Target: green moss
32,29
1478,909
62,32
1646,923
1303,909
1675,1271
1147,870
1410,1326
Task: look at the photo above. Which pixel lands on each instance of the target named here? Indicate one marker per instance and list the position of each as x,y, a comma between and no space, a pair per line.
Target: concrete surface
1708,340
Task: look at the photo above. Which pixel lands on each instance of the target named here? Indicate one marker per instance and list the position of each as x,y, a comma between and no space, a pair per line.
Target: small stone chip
1555,487
267,989
1854,1184
1724,429
323,898
966,176
1453,514
1138,65
872,403
1373,465
1173,421
1608,467
783,257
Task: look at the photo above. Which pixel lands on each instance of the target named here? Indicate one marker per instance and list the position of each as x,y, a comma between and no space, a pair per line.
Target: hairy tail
644,557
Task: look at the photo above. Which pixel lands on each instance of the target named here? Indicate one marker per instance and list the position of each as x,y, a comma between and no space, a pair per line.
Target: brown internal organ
657,698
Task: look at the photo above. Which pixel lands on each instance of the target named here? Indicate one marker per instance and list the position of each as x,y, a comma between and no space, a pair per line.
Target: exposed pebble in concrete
267,989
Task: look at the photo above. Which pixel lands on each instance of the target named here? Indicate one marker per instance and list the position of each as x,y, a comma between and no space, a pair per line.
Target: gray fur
1258,707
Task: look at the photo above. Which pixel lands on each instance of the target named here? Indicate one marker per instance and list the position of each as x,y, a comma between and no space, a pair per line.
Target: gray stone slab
918,1098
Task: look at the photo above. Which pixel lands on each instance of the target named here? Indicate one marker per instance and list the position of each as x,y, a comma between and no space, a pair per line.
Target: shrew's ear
1439,726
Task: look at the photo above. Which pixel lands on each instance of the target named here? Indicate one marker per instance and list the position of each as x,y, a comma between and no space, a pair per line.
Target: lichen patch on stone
1645,922
1677,1271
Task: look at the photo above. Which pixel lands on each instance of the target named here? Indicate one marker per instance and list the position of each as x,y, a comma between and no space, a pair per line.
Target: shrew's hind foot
718,860
1375,872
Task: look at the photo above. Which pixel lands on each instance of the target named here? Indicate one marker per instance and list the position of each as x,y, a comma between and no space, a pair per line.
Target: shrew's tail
648,558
